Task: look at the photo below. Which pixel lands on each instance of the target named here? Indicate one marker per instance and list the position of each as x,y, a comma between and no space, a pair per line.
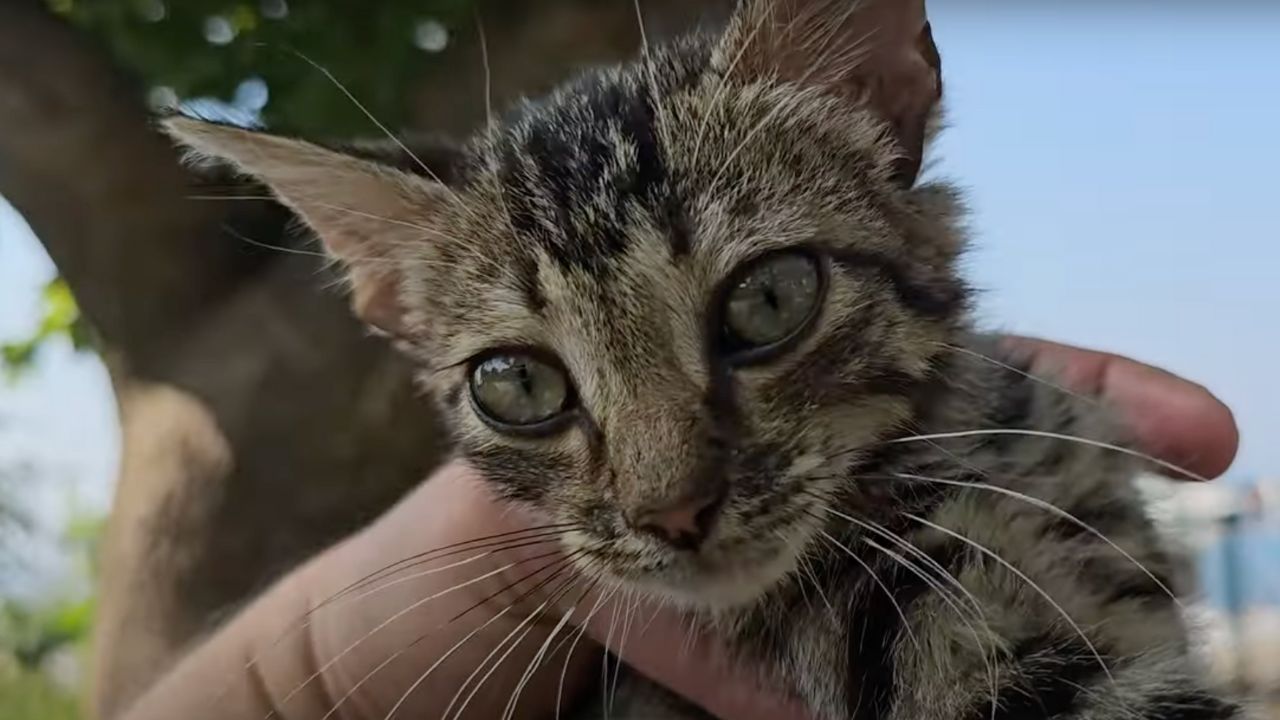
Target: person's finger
659,645
415,642
467,628
1174,419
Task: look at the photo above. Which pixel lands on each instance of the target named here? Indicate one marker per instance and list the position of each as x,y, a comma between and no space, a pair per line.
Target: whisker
1019,371
582,631
906,624
724,84
1054,509
556,566
416,641
883,532
509,712
1025,578
304,620
908,547
769,117
604,660
405,611
488,70
384,261
804,569
378,123
946,596
480,543
531,621
632,608
1053,436
317,203
644,35
274,248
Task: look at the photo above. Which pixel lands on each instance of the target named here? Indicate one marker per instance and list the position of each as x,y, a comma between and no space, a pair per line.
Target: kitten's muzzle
684,524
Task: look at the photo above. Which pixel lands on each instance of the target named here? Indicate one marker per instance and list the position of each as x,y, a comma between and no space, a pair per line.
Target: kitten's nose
684,524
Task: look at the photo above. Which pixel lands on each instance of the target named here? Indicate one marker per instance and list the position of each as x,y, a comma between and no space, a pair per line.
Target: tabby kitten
702,309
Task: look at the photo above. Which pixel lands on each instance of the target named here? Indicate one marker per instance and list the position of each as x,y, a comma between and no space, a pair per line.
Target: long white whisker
924,557
555,566
644,35
356,643
1025,578
1019,371
513,645
488,70
582,631
385,130
724,84
536,615
509,712
622,643
501,542
1052,436
906,624
1054,509
951,601
387,661
421,678
769,117
946,595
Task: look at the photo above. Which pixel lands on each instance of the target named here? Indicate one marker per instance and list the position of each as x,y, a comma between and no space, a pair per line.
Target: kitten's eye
770,302
518,390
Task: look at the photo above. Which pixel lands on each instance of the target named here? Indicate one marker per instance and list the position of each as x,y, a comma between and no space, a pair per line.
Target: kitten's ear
362,211
879,52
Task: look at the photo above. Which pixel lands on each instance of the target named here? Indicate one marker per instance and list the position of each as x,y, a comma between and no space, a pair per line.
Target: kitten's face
672,305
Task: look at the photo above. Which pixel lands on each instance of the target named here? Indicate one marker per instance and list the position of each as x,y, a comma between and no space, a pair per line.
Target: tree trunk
260,423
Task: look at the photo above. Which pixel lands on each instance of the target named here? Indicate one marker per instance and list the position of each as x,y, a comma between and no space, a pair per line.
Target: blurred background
1119,158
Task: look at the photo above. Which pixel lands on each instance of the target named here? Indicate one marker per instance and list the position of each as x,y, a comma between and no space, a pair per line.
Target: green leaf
60,318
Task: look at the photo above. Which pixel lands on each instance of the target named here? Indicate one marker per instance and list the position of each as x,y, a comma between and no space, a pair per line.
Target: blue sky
1121,162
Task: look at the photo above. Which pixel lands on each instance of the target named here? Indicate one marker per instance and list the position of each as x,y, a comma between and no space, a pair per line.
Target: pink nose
684,524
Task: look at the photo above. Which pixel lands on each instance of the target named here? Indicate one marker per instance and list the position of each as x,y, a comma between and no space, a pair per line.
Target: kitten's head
668,303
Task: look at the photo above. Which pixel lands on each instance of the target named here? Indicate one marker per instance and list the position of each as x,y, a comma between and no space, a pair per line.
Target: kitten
702,309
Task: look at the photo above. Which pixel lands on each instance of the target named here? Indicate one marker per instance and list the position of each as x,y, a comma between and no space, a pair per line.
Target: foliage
32,632
60,318
13,518
31,695
210,48
29,632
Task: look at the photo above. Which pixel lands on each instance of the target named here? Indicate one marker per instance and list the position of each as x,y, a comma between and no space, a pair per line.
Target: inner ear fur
878,53
365,213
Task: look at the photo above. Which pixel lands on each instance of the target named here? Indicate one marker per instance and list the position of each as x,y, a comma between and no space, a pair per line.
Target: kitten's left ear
363,212
877,52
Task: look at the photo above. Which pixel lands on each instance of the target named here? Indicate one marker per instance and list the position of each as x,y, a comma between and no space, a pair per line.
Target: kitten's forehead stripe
581,168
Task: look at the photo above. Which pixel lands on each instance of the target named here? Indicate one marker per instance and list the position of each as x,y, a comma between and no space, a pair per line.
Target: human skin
378,661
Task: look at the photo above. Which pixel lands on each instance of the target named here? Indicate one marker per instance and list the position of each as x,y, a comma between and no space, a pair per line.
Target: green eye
770,302
518,390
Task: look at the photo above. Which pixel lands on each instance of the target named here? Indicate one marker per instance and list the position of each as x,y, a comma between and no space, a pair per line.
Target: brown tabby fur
876,559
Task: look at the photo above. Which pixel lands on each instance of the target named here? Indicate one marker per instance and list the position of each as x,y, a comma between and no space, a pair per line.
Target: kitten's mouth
719,575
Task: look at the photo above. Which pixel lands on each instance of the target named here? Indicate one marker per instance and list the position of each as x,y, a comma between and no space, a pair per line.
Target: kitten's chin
717,582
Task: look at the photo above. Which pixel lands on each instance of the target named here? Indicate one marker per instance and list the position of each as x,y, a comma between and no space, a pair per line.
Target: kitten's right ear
367,215
879,53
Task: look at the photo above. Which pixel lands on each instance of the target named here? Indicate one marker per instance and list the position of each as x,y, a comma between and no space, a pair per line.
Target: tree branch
103,192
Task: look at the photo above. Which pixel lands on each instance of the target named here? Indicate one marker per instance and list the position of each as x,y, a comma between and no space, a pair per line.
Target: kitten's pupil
771,297
770,304
518,391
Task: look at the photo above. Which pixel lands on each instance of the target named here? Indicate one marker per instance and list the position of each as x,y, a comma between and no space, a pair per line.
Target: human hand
386,672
